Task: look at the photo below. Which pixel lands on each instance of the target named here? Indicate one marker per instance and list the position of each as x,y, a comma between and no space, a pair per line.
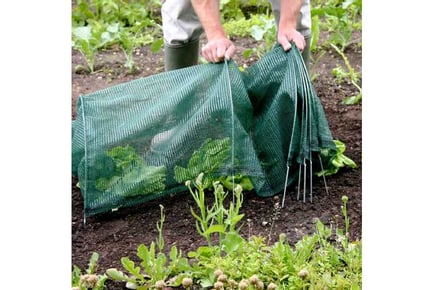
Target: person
184,21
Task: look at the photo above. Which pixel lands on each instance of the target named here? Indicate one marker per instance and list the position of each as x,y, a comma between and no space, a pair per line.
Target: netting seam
85,159
232,126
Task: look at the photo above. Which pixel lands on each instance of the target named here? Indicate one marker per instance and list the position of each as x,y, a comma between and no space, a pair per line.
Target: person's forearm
209,16
289,13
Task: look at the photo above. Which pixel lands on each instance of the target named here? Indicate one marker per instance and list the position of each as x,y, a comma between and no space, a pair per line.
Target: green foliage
131,39
340,73
207,160
350,74
238,179
132,176
314,263
237,9
326,259
230,9
315,33
90,279
216,218
259,26
109,11
160,240
265,32
242,27
335,161
338,17
88,39
154,267
157,45
97,24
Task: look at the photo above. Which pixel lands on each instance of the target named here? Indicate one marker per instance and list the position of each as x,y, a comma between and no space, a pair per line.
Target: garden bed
118,234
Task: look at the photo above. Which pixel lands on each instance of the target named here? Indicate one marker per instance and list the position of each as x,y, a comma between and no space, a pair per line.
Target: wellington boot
179,56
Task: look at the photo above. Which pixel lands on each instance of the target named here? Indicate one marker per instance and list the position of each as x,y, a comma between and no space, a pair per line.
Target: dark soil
118,234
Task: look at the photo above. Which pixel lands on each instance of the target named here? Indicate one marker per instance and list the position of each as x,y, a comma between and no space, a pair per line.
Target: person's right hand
218,49
284,37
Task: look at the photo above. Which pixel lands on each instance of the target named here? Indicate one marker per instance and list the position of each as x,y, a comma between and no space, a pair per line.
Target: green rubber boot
181,55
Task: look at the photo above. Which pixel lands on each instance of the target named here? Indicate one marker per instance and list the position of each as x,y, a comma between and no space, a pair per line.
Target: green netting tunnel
143,139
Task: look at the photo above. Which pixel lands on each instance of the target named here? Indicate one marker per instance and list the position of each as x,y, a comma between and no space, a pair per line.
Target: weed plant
326,259
350,75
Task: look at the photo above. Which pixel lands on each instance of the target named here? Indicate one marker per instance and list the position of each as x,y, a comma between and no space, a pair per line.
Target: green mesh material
143,139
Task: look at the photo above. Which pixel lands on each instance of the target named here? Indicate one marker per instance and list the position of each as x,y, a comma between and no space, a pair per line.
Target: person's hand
219,49
284,37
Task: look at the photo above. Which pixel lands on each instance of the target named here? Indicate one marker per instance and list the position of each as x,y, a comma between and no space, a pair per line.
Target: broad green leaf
93,263
113,28
315,32
257,32
173,253
116,274
130,267
353,100
145,254
215,229
157,45
248,52
82,32
232,242
347,161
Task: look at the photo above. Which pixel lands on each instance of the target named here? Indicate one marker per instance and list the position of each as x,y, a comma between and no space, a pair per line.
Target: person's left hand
284,37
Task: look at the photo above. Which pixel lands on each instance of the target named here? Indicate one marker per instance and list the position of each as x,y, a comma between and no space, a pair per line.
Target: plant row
326,259
101,24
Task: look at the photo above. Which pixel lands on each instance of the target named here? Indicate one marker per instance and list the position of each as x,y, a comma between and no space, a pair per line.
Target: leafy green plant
242,27
207,160
155,267
90,279
315,33
265,33
315,62
340,73
216,218
315,262
326,259
230,9
259,26
88,39
132,176
349,74
338,17
335,161
99,23
133,37
128,44
111,11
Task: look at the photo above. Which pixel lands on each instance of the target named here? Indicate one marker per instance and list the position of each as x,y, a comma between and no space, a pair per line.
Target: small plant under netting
326,259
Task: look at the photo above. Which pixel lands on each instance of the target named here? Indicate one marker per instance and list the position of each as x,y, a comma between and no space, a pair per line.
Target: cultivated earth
118,234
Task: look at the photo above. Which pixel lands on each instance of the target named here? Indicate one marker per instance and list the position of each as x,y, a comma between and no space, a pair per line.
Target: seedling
90,279
350,74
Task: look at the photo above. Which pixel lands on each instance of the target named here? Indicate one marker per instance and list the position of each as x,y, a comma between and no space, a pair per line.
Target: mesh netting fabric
143,139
